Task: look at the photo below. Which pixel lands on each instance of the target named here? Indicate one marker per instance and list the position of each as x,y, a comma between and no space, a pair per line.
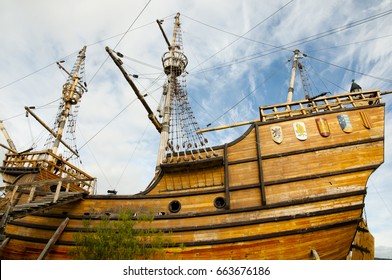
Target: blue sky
236,49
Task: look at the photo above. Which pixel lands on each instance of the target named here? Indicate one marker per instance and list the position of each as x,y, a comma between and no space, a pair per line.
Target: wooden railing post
314,254
13,194
67,189
31,195
57,194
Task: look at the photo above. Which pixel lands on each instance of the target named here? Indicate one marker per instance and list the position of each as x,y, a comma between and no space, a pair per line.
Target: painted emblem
277,134
323,127
300,131
345,123
365,120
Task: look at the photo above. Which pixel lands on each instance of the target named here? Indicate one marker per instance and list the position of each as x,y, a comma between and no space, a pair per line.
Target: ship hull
256,199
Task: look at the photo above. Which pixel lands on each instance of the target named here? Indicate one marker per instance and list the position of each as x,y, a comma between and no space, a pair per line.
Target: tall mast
72,92
174,62
292,78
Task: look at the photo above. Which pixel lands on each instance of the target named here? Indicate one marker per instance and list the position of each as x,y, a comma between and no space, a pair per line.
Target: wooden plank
12,199
261,177
314,254
54,238
363,245
4,243
31,196
57,194
226,179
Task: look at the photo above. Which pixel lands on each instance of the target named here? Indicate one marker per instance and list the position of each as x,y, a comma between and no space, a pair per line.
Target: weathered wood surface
363,245
53,239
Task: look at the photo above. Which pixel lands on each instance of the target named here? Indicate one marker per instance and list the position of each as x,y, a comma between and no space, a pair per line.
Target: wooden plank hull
256,200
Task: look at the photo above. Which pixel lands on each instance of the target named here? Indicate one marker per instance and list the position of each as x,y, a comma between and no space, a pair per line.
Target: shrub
124,238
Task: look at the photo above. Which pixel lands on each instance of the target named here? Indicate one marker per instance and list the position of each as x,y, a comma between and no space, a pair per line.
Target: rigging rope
353,71
288,46
131,157
99,131
118,43
242,99
243,35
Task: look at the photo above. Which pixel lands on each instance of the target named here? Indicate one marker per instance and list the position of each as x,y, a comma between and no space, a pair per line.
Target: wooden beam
260,165
226,179
4,243
5,147
31,195
315,255
48,182
12,147
4,219
57,194
13,194
151,115
53,240
226,126
50,130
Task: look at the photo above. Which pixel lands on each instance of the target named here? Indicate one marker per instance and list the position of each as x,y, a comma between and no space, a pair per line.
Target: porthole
219,202
174,206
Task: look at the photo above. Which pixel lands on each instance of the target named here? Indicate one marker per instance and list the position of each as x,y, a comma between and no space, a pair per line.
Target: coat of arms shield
365,120
277,133
323,127
300,131
345,123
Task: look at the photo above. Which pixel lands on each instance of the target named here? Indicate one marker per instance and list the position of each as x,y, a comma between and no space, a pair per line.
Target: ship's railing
320,104
50,165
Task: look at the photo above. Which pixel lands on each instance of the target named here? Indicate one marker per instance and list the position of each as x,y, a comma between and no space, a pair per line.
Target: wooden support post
315,255
4,243
260,165
67,189
4,219
57,194
53,240
32,192
13,194
226,179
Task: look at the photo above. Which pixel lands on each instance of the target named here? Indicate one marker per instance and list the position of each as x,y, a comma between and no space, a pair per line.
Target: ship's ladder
37,201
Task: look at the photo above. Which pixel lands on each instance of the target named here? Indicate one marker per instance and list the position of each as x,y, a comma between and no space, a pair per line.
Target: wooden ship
291,187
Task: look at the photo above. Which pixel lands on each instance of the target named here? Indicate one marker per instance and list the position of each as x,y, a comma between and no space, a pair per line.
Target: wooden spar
151,116
163,32
12,147
5,147
46,182
54,238
292,78
71,96
225,126
386,92
50,130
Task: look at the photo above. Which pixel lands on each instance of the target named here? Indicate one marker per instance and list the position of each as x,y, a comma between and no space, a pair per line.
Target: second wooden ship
291,187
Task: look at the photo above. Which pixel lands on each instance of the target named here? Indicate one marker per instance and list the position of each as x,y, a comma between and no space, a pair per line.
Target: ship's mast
292,78
174,63
72,92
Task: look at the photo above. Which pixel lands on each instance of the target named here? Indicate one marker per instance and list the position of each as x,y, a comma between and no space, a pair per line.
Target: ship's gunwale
161,173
